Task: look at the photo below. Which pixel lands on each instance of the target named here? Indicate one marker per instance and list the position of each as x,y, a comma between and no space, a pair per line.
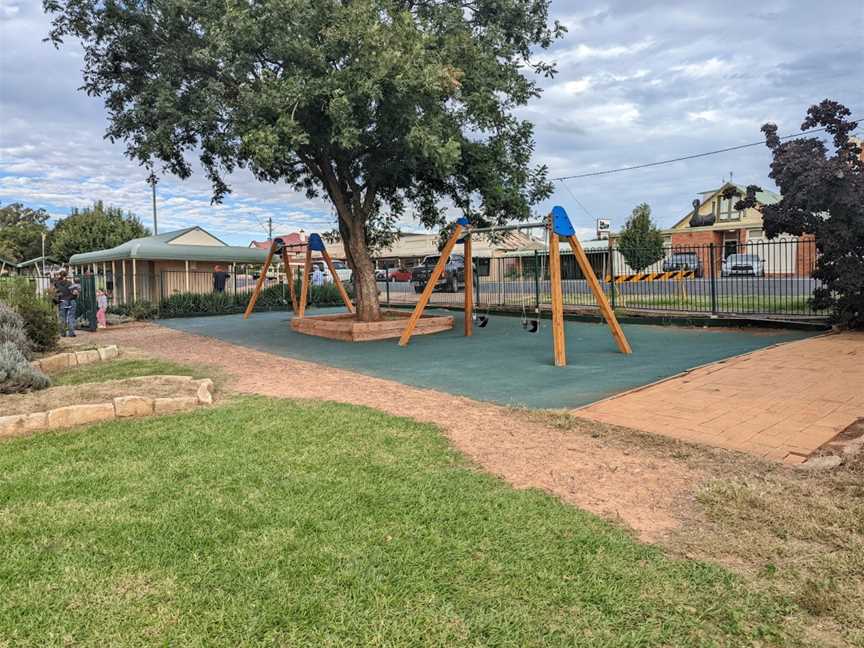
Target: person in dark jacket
66,296
220,277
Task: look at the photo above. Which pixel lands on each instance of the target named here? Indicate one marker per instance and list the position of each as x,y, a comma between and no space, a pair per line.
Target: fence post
387,283
713,278
612,284
536,282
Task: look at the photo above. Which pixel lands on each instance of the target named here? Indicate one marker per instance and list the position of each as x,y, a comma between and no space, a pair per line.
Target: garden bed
67,406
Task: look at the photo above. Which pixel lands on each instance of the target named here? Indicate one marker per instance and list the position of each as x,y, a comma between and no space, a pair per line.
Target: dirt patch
88,393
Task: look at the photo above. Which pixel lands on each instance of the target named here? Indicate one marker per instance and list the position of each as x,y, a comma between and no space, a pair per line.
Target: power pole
152,179
269,228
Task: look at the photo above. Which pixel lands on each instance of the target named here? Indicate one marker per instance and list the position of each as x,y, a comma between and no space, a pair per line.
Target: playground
501,363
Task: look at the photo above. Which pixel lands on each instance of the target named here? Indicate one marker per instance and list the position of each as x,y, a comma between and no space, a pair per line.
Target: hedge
274,298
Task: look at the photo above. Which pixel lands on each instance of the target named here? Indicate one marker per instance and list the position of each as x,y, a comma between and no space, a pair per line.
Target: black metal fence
757,278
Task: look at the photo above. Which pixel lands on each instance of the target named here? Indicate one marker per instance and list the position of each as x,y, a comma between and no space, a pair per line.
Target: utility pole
269,228
152,179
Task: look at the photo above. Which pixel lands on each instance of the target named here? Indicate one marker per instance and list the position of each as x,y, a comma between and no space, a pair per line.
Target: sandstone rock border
119,407
69,359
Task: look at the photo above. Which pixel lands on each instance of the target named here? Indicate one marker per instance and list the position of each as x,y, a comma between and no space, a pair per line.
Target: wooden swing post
558,342
599,295
337,281
289,277
260,285
304,283
469,287
430,285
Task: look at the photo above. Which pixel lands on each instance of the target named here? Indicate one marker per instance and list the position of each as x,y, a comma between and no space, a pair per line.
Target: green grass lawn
126,368
267,522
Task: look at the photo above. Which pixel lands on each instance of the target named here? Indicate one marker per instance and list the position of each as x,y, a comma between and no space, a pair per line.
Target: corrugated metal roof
593,246
159,248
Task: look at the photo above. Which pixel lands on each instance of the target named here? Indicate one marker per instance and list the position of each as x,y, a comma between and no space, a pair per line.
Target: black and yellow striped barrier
676,275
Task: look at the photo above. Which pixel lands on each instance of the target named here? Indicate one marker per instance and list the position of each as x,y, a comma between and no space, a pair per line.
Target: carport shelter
138,269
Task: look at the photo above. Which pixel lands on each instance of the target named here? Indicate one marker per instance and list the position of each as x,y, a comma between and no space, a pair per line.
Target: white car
743,264
343,271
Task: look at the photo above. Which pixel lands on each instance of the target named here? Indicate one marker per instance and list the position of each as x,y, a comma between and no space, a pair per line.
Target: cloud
583,52
712,67
639,81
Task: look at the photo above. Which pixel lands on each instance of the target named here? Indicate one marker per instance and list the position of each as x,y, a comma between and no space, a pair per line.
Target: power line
681,159
578,202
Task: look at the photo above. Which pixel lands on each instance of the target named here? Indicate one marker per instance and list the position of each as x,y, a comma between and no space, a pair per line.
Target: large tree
823,195
387,107
21,231
640,242
94,228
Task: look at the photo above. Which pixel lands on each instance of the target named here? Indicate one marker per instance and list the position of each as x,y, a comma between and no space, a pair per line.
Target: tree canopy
389,108
640,242
21,230
823,195
94,228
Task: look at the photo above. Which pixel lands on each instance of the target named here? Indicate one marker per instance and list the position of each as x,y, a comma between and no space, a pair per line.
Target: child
101,306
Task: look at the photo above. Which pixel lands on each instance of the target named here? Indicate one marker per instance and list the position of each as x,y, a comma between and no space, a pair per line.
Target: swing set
280,247
557,226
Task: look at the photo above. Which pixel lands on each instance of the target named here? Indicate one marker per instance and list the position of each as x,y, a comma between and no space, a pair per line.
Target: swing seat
482,321
533,326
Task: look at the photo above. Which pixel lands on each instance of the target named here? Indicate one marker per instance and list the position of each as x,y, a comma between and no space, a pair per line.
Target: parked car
393,274
451,280
683,261
400,274
743,264
343,271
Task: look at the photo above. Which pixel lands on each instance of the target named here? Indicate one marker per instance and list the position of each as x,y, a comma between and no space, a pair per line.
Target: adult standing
66,294
220,277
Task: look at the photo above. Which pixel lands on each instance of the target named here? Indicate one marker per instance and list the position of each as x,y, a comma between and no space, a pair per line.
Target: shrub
41,322
8,316
271,299
16,374
183,304
12,330
139,310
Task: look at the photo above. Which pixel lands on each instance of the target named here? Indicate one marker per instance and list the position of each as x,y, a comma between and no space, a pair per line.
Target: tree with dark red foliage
823,195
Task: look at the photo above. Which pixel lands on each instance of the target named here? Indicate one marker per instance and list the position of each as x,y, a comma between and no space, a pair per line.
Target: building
714,219
38,267
715,228
294,238
155,267
410,249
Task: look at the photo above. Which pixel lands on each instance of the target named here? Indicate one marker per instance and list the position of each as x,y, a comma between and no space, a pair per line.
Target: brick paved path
780,403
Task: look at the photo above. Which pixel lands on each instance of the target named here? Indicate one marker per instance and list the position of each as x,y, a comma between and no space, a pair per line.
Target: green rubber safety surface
501,363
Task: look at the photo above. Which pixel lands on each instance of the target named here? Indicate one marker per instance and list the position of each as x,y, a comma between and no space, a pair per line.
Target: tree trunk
365,285
353,214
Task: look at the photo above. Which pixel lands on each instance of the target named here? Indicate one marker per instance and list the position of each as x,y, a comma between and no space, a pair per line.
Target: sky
639,81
